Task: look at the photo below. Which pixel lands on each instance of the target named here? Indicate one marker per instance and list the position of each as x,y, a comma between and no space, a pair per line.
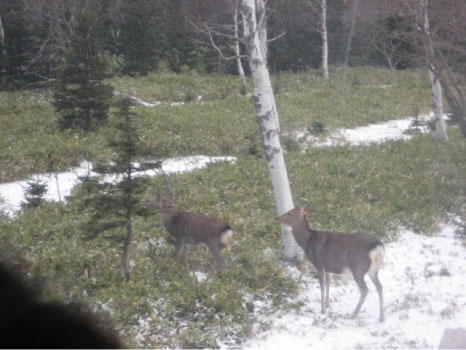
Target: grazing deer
332,252
192,229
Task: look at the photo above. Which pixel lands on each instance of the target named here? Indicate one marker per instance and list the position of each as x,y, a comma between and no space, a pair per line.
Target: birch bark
323,33
267,118
354,15
2,38
440,128
261,27
241,74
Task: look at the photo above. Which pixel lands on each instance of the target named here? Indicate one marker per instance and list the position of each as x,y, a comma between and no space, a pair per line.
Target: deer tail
376,256
226,236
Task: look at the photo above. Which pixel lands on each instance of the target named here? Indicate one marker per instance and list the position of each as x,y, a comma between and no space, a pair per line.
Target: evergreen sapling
114,204
34,194
80,96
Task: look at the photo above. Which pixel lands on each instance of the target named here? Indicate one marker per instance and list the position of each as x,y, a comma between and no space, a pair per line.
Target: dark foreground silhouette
26,322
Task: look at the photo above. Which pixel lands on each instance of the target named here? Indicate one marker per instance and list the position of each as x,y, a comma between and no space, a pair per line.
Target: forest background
178,56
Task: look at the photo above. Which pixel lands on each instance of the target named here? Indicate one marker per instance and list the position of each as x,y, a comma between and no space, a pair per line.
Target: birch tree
2,37
354,15
222,21
323,33
439,44
440,129
447,57
267,118
239,64
319,7
261,28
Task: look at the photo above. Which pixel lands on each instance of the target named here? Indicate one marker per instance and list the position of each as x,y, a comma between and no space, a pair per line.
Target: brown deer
332,252
192,229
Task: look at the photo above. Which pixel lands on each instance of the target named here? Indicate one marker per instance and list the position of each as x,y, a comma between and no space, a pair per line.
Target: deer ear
305,207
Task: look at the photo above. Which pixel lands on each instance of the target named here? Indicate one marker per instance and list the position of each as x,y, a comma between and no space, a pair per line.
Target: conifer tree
34,194
114,204
81,97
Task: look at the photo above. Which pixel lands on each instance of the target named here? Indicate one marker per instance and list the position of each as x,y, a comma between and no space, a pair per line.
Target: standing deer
192,229
332,252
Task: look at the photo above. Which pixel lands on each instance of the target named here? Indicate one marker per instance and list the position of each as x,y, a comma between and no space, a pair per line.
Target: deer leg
378,285
182,249
213,266
212,269
322,291
178,250
328,278
359,278
185,256
215,249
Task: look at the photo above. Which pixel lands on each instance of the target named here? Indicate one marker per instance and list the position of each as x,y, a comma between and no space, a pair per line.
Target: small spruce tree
115,204
80,96
34,194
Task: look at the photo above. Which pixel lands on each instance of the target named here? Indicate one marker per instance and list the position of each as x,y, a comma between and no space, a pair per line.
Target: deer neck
302,233
167,214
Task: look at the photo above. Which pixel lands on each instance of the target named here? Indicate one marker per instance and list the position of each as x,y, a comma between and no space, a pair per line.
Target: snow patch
200,276
372,133
177,104
59,185
418,305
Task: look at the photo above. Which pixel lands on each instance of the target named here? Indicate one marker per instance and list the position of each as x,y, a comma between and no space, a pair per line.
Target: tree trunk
354,14
2,38
440,128
241,74
456,101
125,265
392,69
323,33
261,27
267,118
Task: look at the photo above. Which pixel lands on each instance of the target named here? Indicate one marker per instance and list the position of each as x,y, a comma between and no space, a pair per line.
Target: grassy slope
377,189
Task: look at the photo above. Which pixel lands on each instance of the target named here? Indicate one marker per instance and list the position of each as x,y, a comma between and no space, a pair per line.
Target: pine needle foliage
113,204
34,194
80,96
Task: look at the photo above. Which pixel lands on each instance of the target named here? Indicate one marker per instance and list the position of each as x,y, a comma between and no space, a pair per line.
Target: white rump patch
346,271
376,255
226,236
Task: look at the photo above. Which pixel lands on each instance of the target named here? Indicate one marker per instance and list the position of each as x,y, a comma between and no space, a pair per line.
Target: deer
188,228
333,252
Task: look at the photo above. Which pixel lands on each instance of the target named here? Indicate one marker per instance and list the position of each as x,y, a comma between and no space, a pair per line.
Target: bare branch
282,34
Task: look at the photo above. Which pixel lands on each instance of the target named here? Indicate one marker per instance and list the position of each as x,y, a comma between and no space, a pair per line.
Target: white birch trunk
2,37
354,14
440,128
267,118
323,33
241,74
261,20
250,33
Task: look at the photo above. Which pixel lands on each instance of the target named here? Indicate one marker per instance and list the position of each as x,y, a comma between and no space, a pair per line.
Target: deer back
335,252
196,228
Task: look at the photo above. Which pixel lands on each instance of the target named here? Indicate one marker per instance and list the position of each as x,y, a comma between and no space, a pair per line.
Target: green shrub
379,188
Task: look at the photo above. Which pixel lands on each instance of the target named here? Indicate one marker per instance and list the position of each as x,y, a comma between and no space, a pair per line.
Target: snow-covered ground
372,133
59,185
424,279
